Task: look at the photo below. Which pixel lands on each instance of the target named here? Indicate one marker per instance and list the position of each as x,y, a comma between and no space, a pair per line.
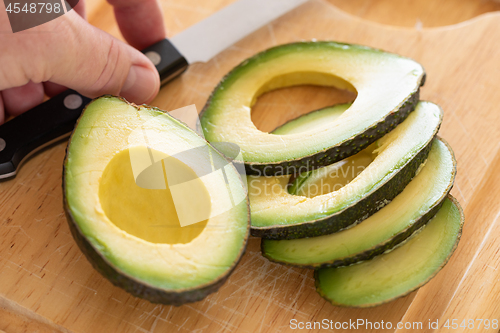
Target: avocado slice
393,224
399,272
396,158
129,225
312,120
387,86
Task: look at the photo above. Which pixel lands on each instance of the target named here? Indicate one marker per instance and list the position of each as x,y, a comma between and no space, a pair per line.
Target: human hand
69,52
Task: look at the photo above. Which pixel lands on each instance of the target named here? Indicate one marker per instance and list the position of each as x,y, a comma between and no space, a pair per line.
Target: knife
54,119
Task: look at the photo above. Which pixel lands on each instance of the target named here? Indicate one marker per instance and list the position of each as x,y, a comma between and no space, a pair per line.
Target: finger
80,9
78,56
20,99
140,21
2,110
51,89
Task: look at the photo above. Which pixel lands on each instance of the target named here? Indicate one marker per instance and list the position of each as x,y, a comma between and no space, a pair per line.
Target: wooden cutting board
46,284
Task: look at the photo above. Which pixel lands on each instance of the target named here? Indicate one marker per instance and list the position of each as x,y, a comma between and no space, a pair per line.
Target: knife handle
37,128
55,118
167,59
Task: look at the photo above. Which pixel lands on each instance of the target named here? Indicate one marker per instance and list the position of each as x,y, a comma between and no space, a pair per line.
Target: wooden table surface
46,284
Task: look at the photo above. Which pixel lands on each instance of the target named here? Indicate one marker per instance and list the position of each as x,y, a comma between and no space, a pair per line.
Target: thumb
71,52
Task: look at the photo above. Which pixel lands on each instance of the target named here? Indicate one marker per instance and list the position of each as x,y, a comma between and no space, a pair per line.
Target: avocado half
170,240
388,166
408,212
400,271
387,87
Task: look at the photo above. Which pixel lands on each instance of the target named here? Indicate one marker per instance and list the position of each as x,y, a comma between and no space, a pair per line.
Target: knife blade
55,119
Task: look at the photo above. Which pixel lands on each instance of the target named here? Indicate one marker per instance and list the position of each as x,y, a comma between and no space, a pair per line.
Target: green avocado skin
134,287
373,252
351,215
459,236
345,149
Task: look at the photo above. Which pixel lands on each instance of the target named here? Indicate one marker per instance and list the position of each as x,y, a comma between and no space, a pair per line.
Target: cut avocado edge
450,209
328,154
346,148
96,252
351,215
358,210
271,249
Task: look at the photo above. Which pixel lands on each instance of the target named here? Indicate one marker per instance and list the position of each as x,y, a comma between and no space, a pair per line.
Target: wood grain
467,295
16,319
424,13
43,271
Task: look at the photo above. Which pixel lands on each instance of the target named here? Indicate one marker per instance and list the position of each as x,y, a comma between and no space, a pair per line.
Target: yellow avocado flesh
108,130
400,271
149,214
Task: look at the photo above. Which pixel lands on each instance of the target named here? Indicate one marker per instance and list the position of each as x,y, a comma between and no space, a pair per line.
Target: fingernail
141,85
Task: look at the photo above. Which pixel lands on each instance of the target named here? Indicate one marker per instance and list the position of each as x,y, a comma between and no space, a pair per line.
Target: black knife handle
168,61
37,128
54,119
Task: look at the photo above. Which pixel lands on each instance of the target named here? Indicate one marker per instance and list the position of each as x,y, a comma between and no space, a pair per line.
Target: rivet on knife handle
55,119
167,59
